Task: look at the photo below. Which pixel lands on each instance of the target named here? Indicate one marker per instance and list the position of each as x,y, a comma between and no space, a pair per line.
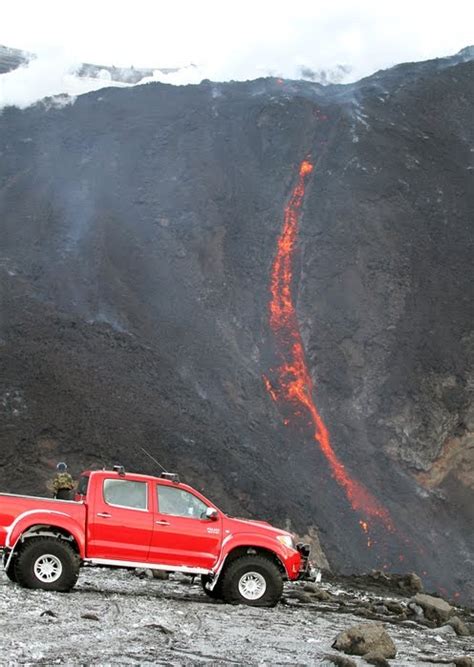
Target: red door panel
180,541
184,539
117,532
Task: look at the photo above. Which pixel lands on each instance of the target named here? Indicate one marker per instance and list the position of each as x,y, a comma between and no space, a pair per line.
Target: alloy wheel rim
48,568
252,585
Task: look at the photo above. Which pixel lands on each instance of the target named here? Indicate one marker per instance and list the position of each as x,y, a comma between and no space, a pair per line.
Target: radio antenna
153,458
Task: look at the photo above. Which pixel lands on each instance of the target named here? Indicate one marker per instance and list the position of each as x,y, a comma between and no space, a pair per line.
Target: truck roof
126,474
149,478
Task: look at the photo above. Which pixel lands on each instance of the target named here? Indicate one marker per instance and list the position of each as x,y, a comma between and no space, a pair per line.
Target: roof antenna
171,476
153,458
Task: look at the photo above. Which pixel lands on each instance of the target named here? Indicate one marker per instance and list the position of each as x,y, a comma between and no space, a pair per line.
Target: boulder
459,626
366,638
446,630
463,661
435,609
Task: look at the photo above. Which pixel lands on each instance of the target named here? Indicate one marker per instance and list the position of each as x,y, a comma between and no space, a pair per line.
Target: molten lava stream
294,383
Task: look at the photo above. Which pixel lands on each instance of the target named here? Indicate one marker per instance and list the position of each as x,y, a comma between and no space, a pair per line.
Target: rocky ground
117,617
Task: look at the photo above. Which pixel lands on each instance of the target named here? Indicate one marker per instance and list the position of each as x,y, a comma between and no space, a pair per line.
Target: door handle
104,515
160,522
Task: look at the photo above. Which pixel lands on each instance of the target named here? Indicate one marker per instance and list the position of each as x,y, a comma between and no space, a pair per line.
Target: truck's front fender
289,558
53,518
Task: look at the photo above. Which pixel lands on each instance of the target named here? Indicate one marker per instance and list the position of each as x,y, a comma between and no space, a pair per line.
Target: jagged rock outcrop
138,228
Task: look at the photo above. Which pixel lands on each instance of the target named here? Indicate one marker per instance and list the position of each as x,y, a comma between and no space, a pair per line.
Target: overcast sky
240,39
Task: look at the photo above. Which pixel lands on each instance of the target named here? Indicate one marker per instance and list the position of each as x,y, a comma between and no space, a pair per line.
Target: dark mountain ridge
138,229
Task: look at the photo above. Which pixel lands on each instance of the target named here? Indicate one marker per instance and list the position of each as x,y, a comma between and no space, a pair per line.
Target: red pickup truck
120,519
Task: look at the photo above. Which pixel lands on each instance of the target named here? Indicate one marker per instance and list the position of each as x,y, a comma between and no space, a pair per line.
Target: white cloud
51,73
239,40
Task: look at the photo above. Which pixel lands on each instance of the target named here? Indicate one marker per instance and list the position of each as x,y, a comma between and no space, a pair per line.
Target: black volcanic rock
138,228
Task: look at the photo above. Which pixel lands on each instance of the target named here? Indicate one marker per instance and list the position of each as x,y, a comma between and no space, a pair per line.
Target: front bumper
307,571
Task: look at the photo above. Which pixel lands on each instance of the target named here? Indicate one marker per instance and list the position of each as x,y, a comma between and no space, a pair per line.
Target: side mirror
211,514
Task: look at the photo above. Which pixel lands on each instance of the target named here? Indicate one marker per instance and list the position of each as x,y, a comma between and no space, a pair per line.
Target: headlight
287,540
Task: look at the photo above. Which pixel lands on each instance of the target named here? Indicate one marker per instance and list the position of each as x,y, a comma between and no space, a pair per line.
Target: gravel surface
115,617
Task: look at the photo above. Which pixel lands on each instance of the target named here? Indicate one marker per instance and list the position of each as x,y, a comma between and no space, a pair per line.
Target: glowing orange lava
295,384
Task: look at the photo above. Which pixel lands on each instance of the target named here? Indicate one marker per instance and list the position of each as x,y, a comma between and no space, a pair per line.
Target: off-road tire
261,566
216,593
10,571
36,548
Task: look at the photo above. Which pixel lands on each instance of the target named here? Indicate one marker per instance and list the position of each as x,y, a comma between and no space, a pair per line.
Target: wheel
216,593
252,580
47,563
10,571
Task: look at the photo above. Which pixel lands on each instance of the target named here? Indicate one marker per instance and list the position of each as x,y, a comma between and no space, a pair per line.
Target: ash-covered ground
115,617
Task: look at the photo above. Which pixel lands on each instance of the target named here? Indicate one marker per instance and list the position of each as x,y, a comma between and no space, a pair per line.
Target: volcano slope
139,232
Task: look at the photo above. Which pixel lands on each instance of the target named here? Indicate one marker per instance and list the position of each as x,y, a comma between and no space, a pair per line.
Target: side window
82,486
179,503
126,493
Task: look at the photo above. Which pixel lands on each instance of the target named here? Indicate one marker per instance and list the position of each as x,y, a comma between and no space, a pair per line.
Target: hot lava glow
293,383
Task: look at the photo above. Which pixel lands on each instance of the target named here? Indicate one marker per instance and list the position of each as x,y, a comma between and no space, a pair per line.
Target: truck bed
14,507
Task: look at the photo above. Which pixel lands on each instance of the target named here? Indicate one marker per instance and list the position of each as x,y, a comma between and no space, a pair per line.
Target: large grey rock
463,661
446,631
435,609
459,626
366,638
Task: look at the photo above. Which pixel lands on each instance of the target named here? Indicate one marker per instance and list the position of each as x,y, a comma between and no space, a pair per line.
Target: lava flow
293,380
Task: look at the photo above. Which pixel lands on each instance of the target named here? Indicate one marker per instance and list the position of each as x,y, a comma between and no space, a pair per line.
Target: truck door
182,535
120,522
